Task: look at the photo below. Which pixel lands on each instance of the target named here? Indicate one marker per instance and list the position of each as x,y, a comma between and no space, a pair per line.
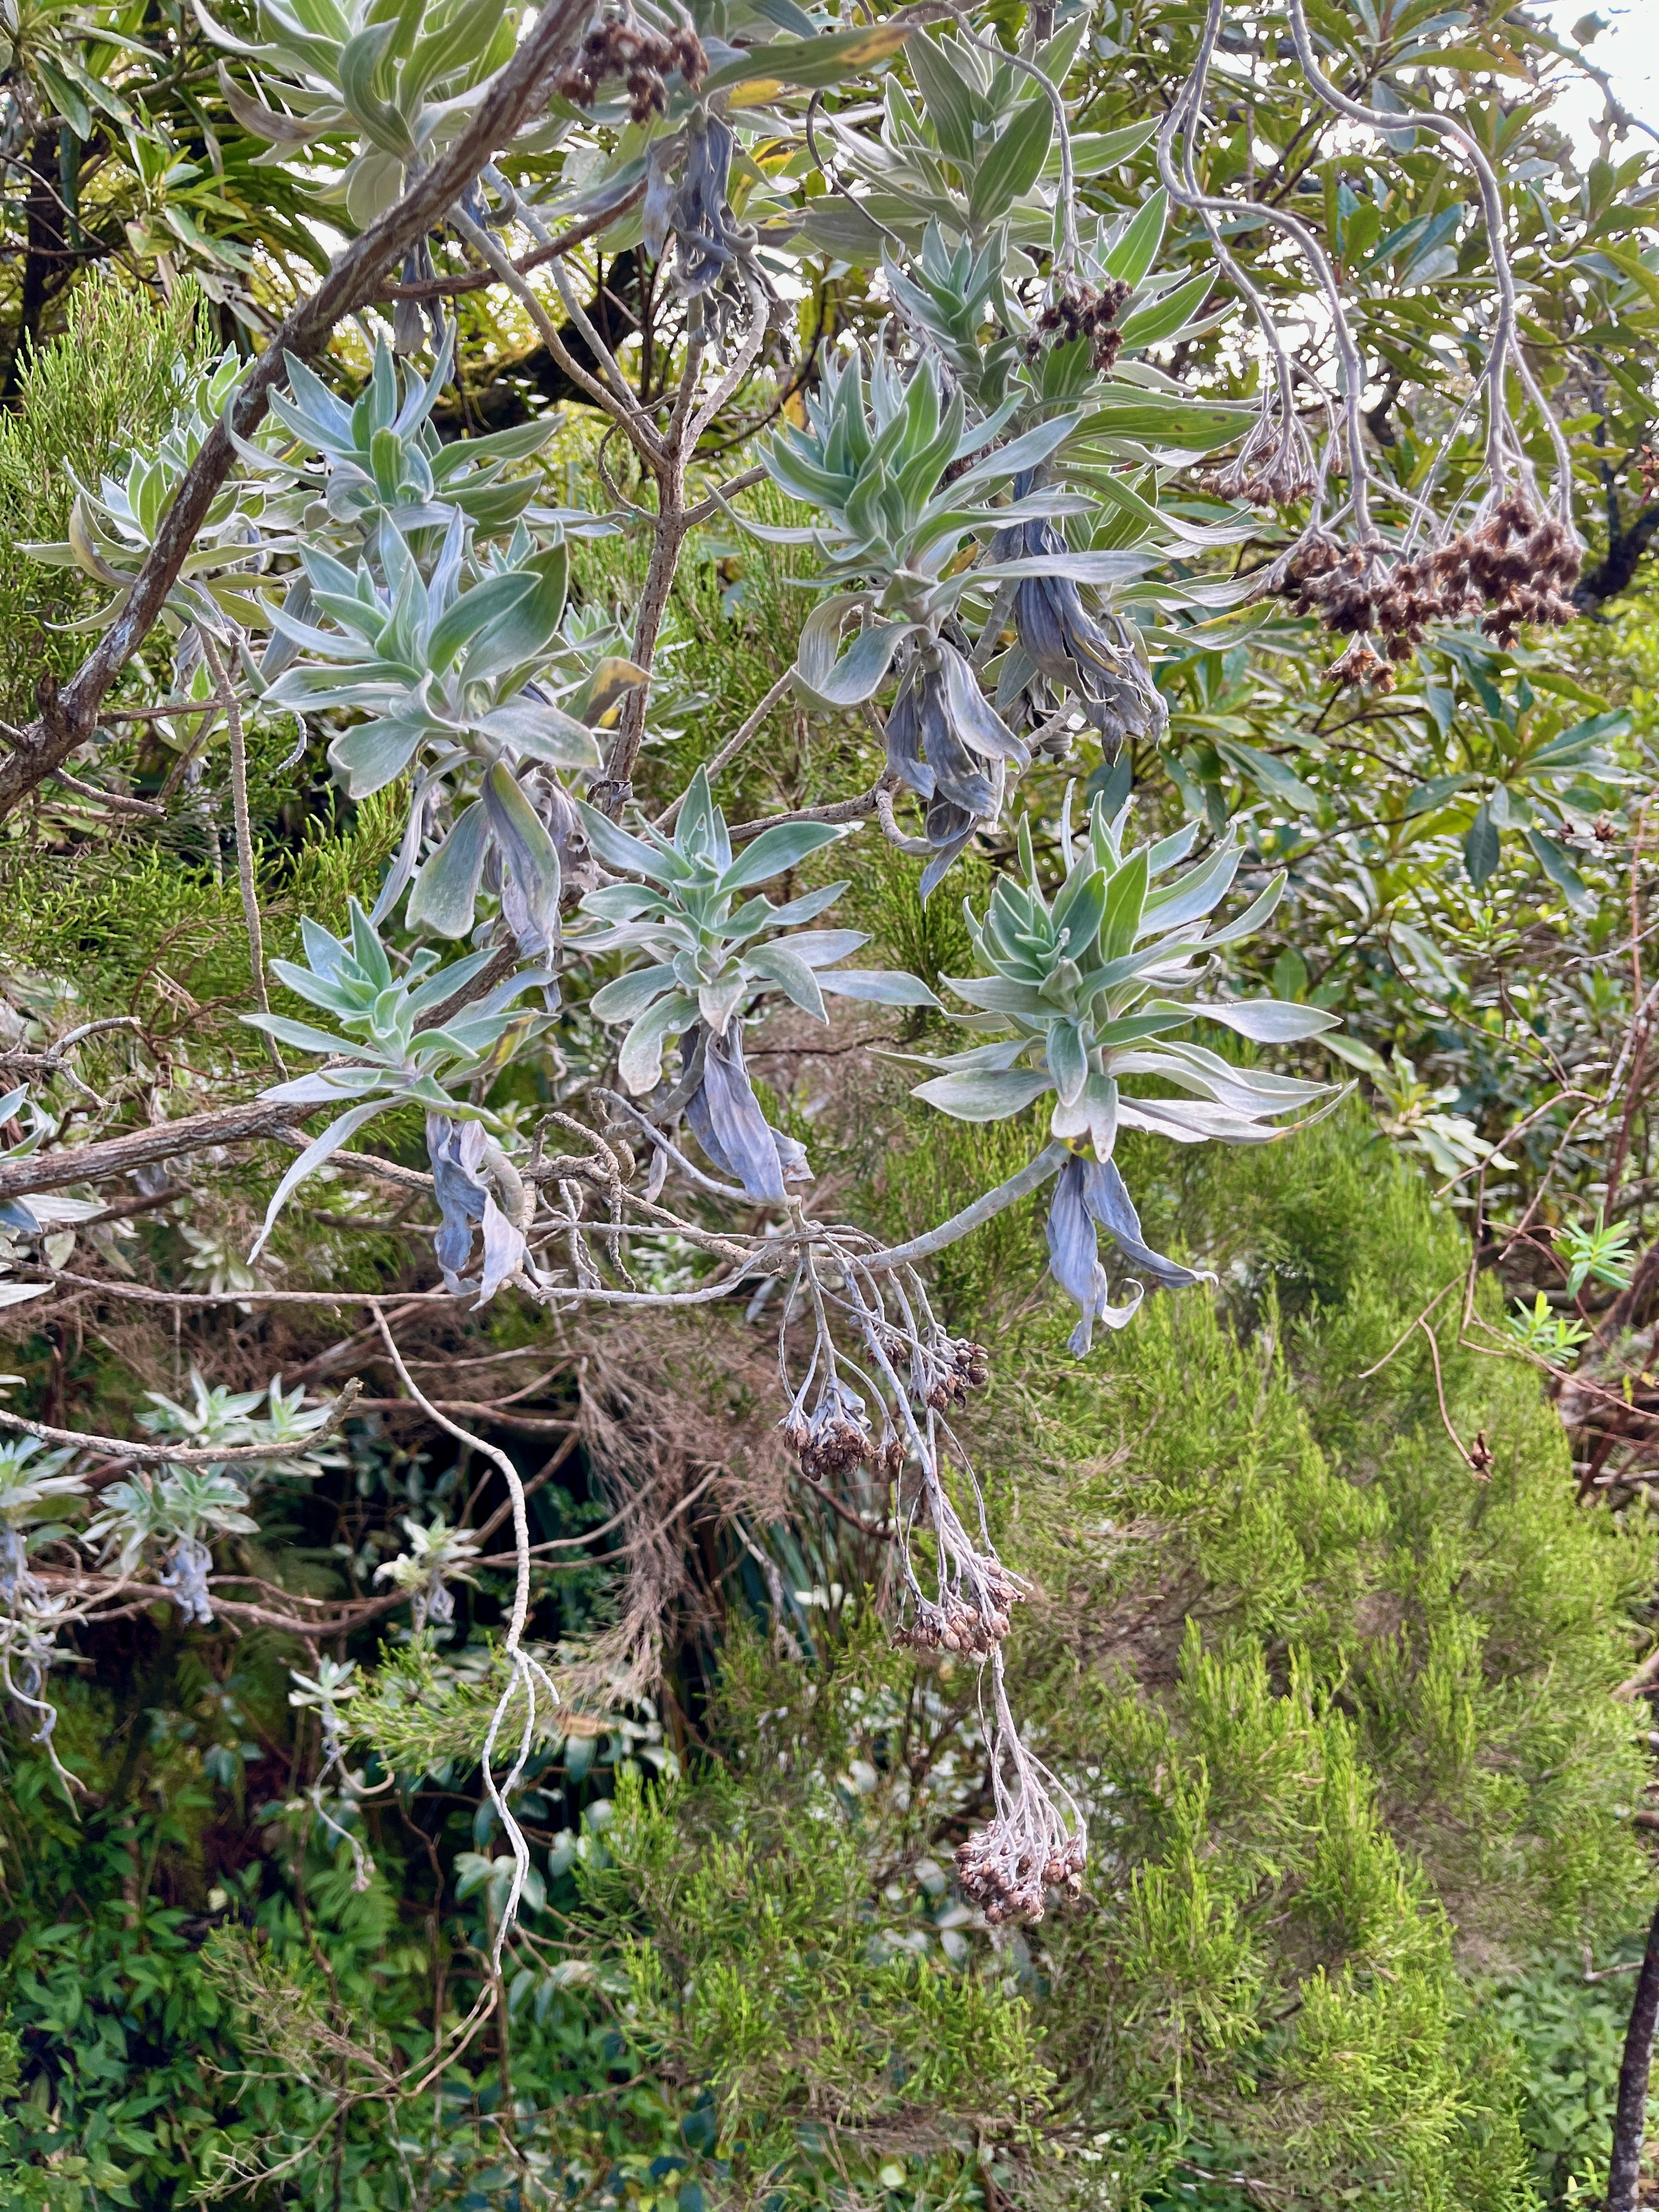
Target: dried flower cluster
1274,467
1079,311
1517,567
959,1626
945,1368
622,46
1341,585
1036,1843
1007,1873
836,1436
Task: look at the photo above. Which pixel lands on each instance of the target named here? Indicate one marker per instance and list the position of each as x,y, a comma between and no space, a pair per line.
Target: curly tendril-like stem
1503,449
1184,116
526,1671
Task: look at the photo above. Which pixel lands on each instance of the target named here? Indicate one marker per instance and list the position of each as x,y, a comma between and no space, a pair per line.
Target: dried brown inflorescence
1272,467
945,1368
835,1436
1518,566
1081,312
621,46
1515,567
1036,1841
1008,1870
957,1625
1341,585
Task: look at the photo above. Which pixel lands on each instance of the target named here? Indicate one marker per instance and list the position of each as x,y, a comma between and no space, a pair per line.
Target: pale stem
245,864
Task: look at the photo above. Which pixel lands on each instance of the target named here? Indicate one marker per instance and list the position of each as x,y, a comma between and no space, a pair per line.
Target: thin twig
245,874
1477,1467
451,287
117,800
191,1455
733,745
1366,1374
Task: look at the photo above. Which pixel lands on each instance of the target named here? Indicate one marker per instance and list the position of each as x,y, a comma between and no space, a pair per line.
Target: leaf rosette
382,1054
712,947
1086,986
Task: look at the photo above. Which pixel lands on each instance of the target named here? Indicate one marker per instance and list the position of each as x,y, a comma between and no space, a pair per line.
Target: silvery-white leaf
51,1206
374,754
1000,995
1189,1122
322,1087
1068,1060
717,1001
530,863
779,964
639,1064
858,673
818,947
1001,1054
881,987
1257,1083
1259,911
504,1251
544,731
1194,896
782,848
625,998
314,1154
984,1095
617,849
446,893
1269,1021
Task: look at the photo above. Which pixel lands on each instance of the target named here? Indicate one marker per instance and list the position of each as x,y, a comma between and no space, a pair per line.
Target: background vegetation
1336,1567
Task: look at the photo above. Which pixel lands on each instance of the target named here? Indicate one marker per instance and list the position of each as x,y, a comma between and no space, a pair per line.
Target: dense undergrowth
1338,1714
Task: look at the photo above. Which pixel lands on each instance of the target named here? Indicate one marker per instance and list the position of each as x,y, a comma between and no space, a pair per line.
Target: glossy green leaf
1010,165
1136,250
1481,846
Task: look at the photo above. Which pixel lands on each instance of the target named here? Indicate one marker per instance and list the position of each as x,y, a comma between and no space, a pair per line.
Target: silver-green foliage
1087,983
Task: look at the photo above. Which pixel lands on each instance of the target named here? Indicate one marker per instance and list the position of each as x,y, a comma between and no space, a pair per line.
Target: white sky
1628,49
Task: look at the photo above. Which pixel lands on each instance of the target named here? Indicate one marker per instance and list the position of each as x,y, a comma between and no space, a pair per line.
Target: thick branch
67,720
1630,2120
1616,570
146,1148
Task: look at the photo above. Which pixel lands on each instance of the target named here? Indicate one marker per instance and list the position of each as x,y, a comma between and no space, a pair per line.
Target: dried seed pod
1081,311
1516,567
969,1622
1274,466
944,1369
622,47
835,1436
1036,1841
1361,668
